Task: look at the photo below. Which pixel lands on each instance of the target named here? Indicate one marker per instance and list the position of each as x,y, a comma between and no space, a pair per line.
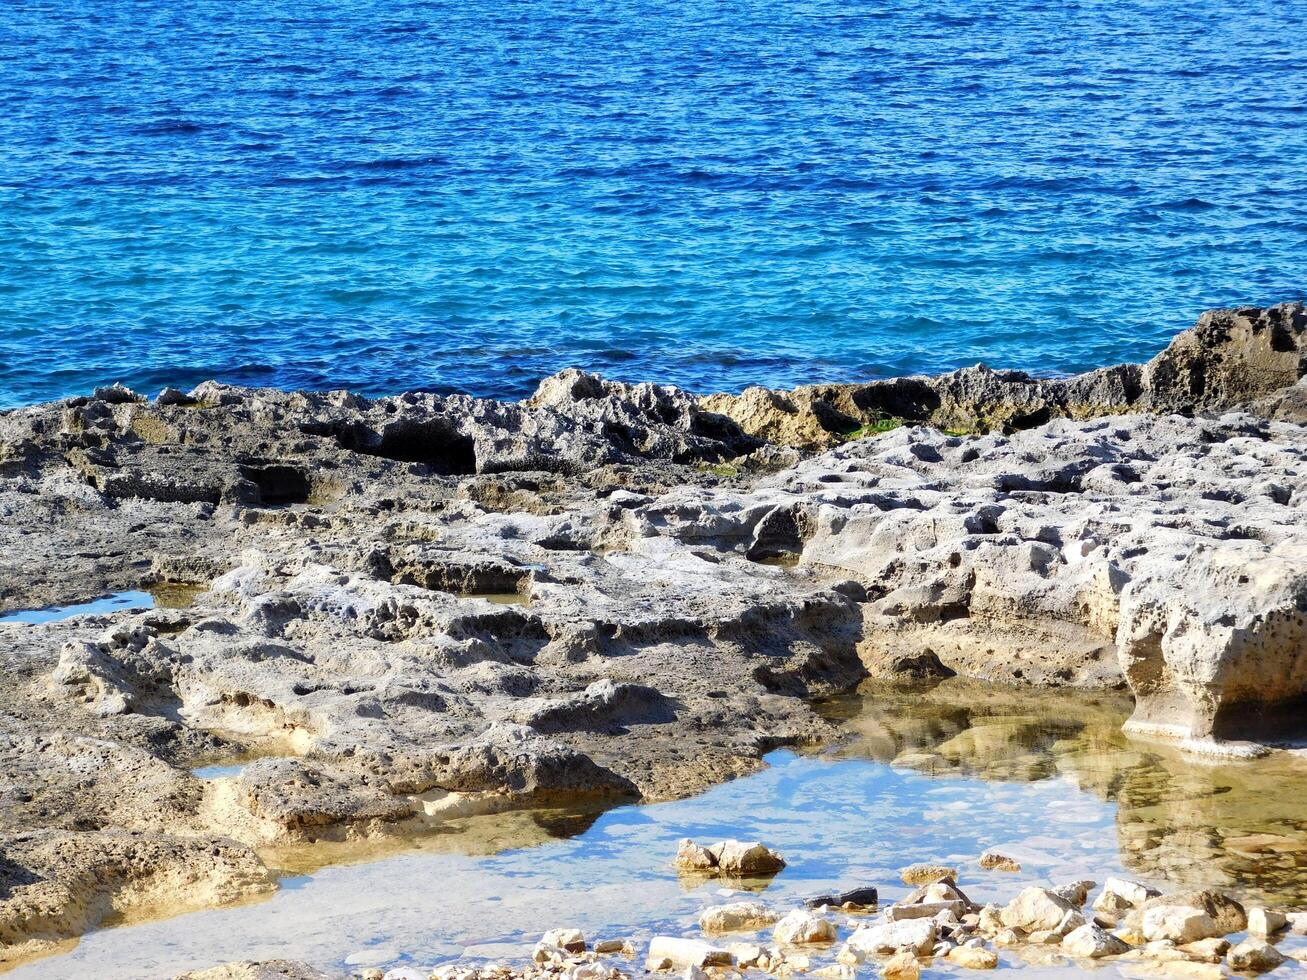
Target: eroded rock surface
410,608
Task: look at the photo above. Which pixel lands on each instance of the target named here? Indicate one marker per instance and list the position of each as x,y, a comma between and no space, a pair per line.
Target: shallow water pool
939,775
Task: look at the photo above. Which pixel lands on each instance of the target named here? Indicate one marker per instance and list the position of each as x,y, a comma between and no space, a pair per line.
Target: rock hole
434,442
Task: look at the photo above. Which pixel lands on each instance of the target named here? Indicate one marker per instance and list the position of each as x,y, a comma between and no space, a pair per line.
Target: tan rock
973,957
1131,894
1076,892
994,861
1207,950
1228,914
925,874
922,910
571,940
693,857
901,966
736,916
746,859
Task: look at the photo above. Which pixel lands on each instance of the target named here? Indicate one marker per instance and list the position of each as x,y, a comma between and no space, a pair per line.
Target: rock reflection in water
1237,825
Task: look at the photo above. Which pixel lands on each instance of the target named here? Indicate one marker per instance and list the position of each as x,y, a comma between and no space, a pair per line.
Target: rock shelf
692,570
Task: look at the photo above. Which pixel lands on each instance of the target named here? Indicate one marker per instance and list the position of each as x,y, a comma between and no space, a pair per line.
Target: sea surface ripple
471,195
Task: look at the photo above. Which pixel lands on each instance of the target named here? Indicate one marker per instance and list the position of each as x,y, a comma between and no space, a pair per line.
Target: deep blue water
470,195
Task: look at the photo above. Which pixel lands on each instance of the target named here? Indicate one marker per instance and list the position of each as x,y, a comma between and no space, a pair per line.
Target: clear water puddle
167,595
1046,778
499,598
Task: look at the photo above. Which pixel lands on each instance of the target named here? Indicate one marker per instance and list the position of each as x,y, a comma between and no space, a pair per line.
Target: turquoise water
470,195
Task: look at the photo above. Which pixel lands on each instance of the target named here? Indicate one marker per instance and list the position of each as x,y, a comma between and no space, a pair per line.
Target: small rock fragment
745,859
736,916
569,939
973,957
693,857
1036,909
681,953
1254,956
1208,950
1076,892
901,966
1129,893
994,861
1091,942
924,874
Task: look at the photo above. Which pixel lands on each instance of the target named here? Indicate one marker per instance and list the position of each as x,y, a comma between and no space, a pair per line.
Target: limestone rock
679,953
1121,893
1265,922
924,874
694,857
1076,892
572,940
1254,956
1036,909
973,958
802,927
901,966
1091,942
1178,923
736,916
261,970
746,859
917,935
994,861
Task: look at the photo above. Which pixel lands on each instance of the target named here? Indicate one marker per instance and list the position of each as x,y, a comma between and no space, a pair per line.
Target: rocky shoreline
404,609
1198,934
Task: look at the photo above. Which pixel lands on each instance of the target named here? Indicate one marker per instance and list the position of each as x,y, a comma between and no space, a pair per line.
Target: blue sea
470,195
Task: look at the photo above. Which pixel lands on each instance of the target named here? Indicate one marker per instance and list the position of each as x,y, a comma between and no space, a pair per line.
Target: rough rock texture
399,610
1231,357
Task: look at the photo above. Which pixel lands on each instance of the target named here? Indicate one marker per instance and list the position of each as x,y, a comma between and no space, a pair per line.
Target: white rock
571,940
994,861
883,938
736,916
686,952
1132,893
1076,892
922,910
693,857
802,926
973,958
1178,923
1090,942
1264,922
901,966
745,858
